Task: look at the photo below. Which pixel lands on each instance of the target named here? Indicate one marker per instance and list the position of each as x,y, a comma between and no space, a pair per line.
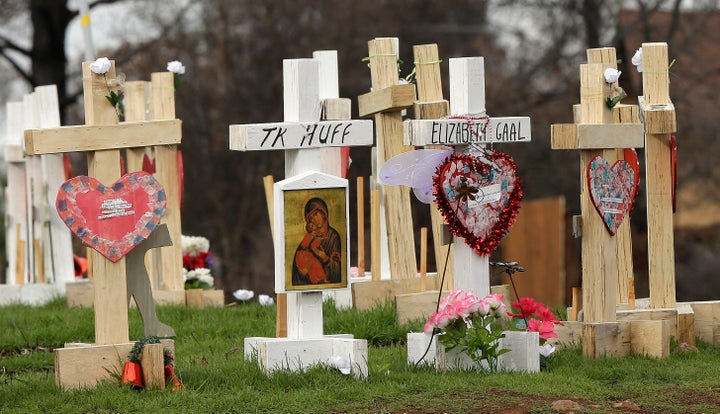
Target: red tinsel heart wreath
479,196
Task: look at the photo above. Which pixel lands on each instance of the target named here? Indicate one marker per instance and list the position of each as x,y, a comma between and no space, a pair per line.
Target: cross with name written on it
311,147
289,135
469,129
467,125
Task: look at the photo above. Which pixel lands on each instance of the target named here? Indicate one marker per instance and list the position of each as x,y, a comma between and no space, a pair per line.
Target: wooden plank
465,132
537,241
153,368
430,109
109,282
194,298
77,367
79,294
605,339
707,321
685,324
595,136
166,162
296,135
392,98
651,338
375,255
388,126
360,196
86,365
658,180
369,294
670,315
432,105
100,137
413,306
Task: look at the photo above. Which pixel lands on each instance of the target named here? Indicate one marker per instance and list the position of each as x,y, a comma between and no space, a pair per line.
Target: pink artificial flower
483,307
544,328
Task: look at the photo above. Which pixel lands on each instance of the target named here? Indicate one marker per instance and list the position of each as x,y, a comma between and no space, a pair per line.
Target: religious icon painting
314,223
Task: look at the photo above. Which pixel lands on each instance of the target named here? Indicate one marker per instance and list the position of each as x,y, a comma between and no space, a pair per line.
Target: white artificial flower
193,245
207,279
243,294
100,66
176,67
202,274
265,300
340,363
637,60
611,75
546,350
354,272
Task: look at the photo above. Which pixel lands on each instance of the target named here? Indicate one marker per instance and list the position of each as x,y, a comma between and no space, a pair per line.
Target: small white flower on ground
176,67
546,350
637,60
265,300
100,66
611,75
340,363
243,294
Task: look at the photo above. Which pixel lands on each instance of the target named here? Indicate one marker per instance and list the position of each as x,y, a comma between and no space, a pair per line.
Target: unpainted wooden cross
660,122
467,97
101,138
596,134
309,145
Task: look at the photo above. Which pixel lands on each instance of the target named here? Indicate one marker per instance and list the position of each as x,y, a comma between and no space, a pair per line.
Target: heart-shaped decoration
479,197
112,220
612,190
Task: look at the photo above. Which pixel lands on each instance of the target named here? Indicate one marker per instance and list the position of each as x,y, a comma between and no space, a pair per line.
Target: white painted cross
467,97
311,152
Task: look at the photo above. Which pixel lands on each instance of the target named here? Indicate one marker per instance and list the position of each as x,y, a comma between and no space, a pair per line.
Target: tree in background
233,51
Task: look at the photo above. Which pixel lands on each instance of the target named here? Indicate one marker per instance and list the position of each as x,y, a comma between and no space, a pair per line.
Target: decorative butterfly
417,168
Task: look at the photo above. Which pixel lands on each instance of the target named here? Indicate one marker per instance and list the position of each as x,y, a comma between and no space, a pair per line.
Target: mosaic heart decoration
479,197
612,190
112,220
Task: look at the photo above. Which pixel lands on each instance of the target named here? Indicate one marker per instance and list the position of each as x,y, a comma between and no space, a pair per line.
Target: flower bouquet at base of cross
197,261
533,316
474,326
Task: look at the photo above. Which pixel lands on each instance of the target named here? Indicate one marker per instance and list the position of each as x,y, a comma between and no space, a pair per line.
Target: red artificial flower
546,315
546,329
525,307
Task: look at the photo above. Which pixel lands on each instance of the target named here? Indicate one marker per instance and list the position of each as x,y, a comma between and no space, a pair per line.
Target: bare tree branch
9,44
23,73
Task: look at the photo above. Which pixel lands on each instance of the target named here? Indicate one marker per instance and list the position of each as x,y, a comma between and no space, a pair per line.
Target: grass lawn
217,378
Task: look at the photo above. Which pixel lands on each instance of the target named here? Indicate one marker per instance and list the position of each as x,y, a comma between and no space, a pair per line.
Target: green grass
217,378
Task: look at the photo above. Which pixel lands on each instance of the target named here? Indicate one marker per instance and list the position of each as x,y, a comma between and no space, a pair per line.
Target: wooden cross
621,113
102,138
385,103
596,134
165,268
467,96
306,140
659,116
33,182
